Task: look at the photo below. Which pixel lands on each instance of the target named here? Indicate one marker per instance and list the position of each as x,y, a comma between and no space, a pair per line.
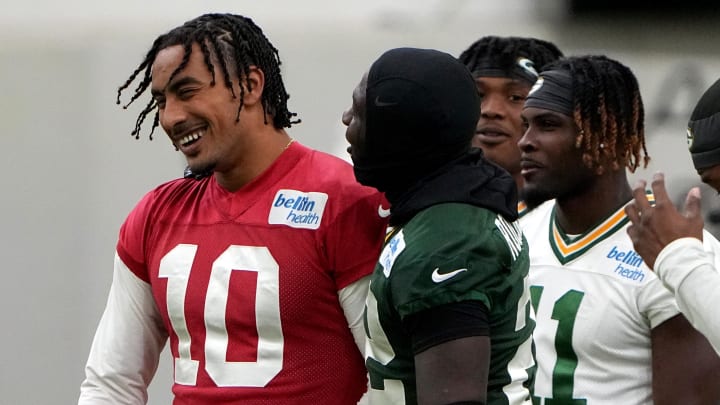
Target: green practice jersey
449,253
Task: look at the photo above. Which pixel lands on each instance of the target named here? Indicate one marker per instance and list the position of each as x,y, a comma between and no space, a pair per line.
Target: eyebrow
175,85
549,114
517,83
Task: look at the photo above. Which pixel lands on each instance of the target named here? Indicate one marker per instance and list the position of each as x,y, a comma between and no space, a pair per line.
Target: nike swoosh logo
439,278
383,103
382,212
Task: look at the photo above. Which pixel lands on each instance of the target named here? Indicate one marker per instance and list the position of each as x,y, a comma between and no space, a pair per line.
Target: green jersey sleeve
453,252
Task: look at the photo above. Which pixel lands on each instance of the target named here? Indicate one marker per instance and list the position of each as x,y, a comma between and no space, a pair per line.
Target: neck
258,153
578,213
519,181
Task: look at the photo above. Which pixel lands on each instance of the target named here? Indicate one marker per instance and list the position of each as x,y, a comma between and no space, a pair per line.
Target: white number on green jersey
381,350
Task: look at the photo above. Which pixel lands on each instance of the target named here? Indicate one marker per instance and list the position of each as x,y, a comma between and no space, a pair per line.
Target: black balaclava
422,107
703,133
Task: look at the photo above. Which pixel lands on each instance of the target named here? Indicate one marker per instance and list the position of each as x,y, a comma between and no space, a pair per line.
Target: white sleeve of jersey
127,344
352,300
689,270
655,302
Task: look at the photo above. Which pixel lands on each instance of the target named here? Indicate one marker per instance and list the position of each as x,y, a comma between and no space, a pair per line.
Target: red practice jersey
247,282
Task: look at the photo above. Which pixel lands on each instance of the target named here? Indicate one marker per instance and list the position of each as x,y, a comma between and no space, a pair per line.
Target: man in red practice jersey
257,273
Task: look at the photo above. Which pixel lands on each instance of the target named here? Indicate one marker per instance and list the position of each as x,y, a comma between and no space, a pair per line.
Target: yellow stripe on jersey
521,208
567,248
390,231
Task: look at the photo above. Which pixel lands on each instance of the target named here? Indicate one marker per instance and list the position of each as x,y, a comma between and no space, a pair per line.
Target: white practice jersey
596,303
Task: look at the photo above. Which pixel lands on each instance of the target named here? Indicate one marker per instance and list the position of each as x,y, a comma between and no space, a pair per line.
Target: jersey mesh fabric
271,324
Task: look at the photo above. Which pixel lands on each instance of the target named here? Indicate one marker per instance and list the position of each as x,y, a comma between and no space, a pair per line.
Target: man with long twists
256,271
608,331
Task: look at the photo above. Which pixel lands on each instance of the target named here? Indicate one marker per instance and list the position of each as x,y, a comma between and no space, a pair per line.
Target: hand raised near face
654,227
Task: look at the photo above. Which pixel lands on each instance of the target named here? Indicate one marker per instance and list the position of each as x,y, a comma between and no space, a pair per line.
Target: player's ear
253,85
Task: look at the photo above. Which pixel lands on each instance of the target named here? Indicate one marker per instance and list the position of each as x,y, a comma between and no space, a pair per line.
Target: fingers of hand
640,199
631,210
659,190
692,203
632,232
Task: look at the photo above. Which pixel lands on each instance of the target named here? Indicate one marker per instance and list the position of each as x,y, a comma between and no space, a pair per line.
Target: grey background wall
70,171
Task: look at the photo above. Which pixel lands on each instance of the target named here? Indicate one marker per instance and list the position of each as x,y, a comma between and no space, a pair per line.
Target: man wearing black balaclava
446,314
670,242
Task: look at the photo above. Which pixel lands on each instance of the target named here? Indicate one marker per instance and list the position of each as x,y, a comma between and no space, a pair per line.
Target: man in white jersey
607,331
670,242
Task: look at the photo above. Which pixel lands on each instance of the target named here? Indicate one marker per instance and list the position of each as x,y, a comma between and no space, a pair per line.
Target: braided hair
505,51
608,112
234,39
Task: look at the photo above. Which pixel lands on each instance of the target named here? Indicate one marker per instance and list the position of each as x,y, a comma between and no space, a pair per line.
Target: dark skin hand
685,367
653,228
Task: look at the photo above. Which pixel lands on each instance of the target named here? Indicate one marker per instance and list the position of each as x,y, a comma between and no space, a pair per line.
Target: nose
347,116
171,115
492,106
525,143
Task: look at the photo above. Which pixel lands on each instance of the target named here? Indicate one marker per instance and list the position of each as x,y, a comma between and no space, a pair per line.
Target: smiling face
355,119
500,125
199,118
551,165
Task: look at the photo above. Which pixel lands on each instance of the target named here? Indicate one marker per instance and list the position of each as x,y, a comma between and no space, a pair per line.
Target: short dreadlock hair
504,52
232,39
607,110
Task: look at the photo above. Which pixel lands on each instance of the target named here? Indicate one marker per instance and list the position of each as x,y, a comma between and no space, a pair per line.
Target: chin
200,167
533,196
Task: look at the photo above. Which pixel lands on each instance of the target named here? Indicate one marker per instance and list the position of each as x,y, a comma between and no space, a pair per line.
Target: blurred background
73,172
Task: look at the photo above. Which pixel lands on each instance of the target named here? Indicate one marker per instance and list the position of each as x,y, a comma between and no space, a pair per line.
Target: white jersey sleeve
689,269
126,349
655,302
352,299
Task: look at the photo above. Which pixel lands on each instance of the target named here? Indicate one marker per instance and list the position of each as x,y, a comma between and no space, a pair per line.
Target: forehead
531,113
361,88
500,82
168,59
